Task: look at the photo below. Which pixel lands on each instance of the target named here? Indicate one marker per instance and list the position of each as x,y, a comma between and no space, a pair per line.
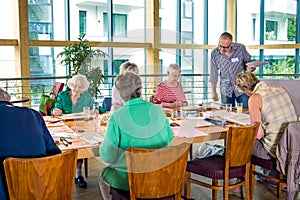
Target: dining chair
269,165
156,173
239,143
106,103
58,87
50,177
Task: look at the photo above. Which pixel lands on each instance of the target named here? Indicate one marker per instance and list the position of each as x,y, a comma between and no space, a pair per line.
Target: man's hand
214,96
251,69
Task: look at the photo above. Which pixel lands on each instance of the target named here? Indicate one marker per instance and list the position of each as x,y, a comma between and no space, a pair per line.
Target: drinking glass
239,108
183,113
86,113
228,108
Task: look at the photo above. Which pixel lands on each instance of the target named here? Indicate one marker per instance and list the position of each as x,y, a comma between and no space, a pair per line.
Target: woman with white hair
170,92
137,123
72,100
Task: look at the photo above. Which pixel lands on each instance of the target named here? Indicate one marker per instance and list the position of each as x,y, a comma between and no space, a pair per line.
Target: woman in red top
170,92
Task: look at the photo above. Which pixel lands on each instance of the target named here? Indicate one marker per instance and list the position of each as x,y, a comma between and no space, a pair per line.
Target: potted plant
79,56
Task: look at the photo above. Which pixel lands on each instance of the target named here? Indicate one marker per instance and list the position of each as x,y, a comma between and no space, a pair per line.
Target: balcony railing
196,86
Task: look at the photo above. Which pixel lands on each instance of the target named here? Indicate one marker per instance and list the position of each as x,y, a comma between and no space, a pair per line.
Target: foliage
291,32
282,66
79,56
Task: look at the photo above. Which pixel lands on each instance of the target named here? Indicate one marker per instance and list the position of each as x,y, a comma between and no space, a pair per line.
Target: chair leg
187,185
252,180
85,160
214,192
248,176
279,185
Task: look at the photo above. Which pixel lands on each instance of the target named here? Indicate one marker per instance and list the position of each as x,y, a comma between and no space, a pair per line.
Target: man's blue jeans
240,99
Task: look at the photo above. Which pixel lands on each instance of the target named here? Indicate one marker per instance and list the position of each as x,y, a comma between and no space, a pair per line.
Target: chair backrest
156,173
58,87
50,177
239,144
106,103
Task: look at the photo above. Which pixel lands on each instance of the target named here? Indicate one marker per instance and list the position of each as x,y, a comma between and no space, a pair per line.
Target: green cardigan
137,123
64,103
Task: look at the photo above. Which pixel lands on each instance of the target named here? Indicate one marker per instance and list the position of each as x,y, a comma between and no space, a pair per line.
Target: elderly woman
117,100
269,105
72,100
170,92
137,123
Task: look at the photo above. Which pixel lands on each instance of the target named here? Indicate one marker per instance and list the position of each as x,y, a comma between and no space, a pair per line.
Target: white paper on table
62,131
188,128
93,138
54,124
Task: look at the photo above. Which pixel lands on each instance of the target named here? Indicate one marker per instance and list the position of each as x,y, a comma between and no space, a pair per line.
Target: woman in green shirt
72,100
137,123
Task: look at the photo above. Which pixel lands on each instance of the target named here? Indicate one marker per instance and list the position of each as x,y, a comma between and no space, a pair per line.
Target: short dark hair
226,35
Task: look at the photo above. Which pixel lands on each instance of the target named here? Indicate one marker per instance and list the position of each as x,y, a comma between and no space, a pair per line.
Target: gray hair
78,78
129,85
173,67
129,66
4,96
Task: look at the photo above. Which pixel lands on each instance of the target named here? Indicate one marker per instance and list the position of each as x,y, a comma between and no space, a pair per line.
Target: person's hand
214,96
251,69
57,112
176,104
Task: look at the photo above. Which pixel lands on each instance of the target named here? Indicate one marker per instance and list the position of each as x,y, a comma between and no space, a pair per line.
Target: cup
239,108
86,113
183,113
228,108
173,114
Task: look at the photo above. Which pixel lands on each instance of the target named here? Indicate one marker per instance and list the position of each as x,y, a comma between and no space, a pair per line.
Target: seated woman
72,100
272,107
170,92
137,123
117,100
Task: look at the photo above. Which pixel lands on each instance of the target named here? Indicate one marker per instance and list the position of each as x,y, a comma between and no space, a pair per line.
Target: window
82,22
119,25
271,30
291,30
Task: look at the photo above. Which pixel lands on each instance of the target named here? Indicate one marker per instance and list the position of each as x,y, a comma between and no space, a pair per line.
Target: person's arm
57,108
213,77
214,94
109,150
255,106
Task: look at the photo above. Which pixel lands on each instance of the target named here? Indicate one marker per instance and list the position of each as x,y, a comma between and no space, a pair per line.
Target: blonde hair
246,80
128,66
78,78
129,85
173,67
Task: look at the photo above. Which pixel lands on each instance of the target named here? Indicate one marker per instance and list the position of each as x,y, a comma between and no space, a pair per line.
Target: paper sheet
188,128
256,63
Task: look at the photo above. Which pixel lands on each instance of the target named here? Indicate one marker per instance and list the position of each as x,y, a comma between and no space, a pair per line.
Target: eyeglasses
224,47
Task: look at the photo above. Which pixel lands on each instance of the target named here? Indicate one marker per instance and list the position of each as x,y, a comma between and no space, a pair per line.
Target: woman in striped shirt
170,92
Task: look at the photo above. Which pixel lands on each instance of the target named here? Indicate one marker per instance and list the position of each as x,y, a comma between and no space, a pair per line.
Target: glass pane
7,62
168,21
7,19
248,18
280,18
216,20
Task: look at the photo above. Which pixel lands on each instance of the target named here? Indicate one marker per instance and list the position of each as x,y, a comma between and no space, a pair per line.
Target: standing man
230,59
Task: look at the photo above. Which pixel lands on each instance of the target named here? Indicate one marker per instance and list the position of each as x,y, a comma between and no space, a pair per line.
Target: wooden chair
235,164
50,177
266,164
156,173
49,105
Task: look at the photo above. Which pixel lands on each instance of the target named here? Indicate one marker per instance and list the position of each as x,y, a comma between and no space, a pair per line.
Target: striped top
170,94
229,67
277,110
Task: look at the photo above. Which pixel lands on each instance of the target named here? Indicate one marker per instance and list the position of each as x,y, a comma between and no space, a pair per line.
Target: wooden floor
262,191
